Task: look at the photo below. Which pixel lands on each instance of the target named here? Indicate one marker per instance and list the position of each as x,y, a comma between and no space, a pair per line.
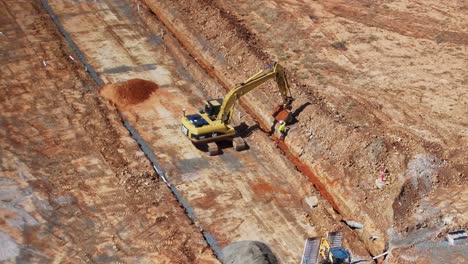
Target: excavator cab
212,108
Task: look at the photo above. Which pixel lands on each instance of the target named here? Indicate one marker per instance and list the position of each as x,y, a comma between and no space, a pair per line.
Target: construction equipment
326,250
212,124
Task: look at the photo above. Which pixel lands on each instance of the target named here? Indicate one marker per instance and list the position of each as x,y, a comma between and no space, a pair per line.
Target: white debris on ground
423,167
312,201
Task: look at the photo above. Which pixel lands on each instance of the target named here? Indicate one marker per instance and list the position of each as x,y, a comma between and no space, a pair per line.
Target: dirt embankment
346,141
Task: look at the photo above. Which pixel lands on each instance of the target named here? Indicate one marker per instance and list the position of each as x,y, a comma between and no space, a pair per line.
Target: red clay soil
136,90
304,169
261,187
130,92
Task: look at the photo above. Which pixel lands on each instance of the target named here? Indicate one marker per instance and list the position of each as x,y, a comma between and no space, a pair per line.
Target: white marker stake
70,56
44,63
381,255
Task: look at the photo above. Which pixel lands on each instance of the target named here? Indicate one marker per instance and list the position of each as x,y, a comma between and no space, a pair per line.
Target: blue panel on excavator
197,120
339,253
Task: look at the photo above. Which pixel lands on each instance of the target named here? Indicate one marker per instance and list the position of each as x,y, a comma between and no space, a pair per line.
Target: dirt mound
130,92
135,91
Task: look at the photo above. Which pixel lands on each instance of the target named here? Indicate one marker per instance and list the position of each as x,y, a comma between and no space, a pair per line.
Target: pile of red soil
130,92
135,91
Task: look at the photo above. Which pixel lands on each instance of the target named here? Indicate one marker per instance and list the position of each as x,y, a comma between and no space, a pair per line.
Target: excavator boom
273,71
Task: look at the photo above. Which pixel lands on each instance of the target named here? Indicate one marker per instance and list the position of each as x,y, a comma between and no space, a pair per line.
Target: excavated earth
380,133
128,93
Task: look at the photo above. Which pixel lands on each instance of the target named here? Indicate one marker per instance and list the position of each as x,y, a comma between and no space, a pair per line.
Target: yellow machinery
212,124
326,250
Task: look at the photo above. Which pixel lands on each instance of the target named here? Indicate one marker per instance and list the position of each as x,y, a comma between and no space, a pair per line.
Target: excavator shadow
228,145
201,147
204,147
244,130
222,145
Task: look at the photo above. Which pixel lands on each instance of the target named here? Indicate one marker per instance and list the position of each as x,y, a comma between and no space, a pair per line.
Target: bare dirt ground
75,187
253,195
381,86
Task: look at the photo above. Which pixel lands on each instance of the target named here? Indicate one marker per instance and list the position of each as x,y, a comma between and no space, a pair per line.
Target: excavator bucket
280,113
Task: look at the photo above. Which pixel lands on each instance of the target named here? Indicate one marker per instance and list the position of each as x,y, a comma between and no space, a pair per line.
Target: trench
209,238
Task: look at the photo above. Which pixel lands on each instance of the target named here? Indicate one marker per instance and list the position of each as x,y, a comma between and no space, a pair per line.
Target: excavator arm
273,71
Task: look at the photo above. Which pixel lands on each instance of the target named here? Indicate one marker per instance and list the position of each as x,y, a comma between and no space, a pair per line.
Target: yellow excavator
329,250
212,124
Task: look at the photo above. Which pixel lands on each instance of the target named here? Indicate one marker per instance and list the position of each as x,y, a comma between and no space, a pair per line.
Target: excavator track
311,251
335,239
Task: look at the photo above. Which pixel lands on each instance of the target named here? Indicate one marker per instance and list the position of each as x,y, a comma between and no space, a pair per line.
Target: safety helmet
281,122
